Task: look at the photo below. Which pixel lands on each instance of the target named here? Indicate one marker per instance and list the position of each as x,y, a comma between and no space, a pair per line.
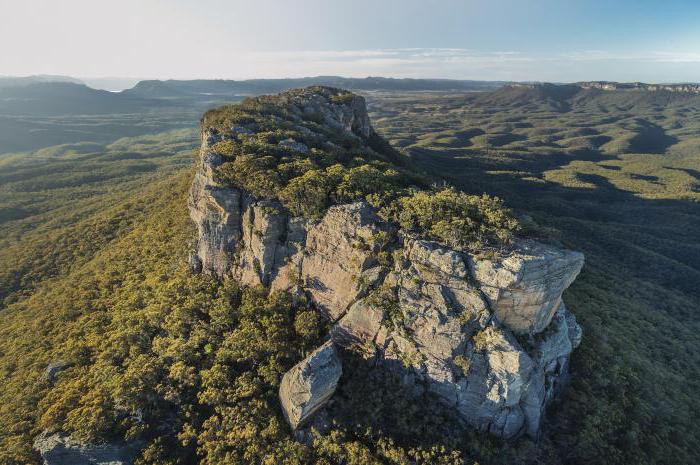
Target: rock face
525,289
58,449
488,338
309,384
216,211
339,259
438,328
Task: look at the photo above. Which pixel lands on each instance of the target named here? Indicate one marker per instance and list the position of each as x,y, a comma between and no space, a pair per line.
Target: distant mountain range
67,98
56,95
20,81
59,95
177,88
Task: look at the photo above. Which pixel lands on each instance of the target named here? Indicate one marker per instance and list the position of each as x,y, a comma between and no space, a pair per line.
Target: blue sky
545,40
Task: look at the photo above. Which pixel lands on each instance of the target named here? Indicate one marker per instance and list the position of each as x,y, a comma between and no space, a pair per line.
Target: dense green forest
95,237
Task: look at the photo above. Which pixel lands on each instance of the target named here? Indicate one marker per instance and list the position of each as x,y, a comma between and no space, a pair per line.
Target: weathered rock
524,288
59,449
216,211
237,131
437,317
498,378
54,368
263,228
309,384
350,116
338,255
294,146
550,352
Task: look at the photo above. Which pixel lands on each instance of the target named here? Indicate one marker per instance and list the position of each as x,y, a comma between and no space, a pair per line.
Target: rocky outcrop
59,449
215,211
524,289
309,384
490,338
438,328
608,85
53,369
617,86
339,260
252,239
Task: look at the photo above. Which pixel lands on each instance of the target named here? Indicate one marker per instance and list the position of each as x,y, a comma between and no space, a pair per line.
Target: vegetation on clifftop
275,150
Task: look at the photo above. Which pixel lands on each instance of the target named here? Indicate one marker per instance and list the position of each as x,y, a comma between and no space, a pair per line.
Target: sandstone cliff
488,337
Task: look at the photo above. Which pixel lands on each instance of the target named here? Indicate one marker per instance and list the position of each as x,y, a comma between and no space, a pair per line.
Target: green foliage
342,98
309,194
186,363
307,324
353,169
462,221
93,255
338,167
463,363
486,338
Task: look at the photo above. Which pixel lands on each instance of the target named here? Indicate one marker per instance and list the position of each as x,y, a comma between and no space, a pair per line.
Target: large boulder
309,384
60,449
54,368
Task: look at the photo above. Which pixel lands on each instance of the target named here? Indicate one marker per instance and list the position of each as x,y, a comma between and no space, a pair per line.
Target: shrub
307,324
486,337
308,194
343,98
224,147
459,220
463,363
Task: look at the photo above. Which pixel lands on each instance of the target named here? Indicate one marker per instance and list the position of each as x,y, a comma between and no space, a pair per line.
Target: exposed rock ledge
59,449
489,338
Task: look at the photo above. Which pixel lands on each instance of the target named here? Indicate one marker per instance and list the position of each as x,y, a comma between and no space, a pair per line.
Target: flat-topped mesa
617,86
488,338
609,85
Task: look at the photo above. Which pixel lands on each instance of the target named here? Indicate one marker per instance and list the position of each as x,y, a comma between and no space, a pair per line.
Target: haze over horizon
545,40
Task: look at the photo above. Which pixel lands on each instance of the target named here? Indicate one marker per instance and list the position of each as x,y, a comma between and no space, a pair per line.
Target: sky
526,40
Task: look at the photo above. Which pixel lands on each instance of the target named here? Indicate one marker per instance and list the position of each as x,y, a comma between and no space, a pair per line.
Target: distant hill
18,81
155,89
614,96
220,87
63,98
